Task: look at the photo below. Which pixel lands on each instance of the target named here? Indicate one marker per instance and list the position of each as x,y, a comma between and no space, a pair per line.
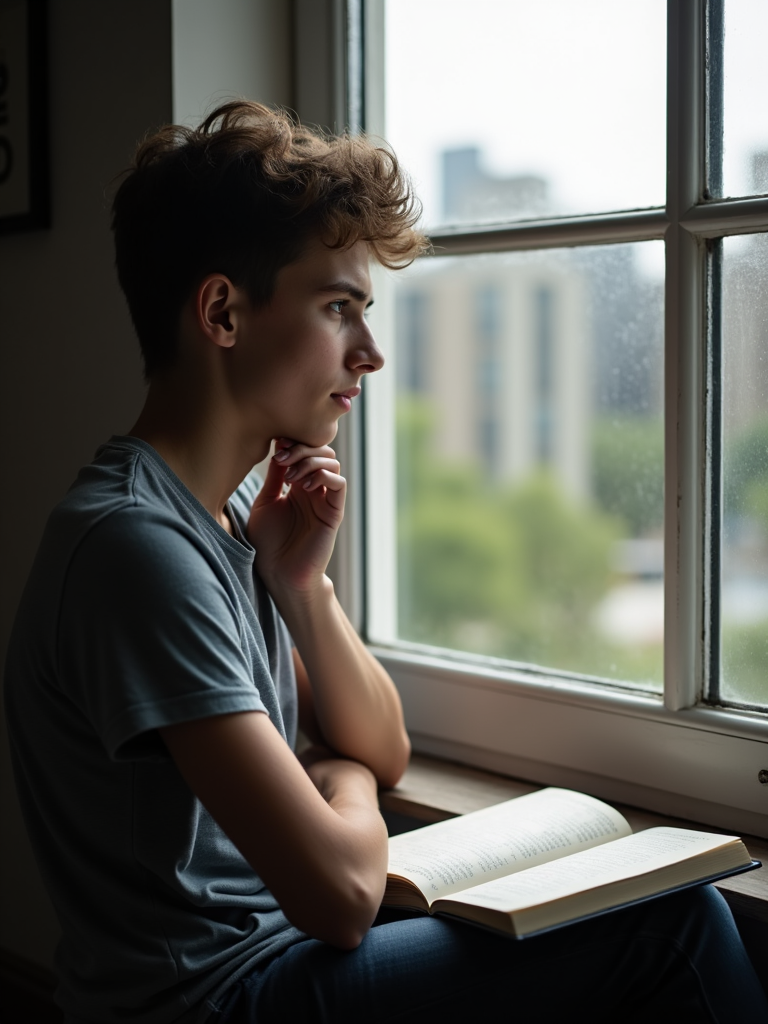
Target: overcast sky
571,90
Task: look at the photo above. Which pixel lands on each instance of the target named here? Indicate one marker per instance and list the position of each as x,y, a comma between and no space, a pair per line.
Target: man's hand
294,532
332,775
355,705
328,771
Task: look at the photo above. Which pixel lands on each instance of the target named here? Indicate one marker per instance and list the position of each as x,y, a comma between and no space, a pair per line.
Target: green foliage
756,501
507,571
744,659
517,571
628,470
745,476
566,549
450,555
451,538
562,567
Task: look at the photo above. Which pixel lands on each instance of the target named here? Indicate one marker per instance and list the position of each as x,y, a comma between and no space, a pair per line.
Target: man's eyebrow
346,286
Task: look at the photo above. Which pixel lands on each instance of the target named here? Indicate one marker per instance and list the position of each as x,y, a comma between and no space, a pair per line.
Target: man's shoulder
129,487
121,515
117,478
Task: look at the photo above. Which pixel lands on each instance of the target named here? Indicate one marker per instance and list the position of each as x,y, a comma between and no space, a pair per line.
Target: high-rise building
499,346
518,353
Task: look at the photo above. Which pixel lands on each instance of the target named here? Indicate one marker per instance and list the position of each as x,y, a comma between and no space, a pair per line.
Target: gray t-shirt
140,612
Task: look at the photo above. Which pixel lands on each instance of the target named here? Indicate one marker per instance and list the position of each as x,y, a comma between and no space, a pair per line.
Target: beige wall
70,373
228,48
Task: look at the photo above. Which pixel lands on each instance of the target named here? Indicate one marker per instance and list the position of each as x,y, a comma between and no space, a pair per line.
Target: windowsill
433,790
698,764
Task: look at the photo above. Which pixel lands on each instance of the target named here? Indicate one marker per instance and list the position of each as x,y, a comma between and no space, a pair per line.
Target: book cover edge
609,910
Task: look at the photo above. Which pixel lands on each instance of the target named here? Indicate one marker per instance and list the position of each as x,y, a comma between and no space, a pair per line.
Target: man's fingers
322,478
289,454
309,466
313,471
272,487
336,500
328,493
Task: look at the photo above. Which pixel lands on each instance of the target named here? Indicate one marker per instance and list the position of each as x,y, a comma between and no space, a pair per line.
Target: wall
230,48
70,373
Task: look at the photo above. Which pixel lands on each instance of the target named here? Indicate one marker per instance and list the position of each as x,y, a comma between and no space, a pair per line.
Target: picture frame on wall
24,171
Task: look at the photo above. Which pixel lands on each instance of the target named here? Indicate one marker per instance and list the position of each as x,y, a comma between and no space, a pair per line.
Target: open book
547,859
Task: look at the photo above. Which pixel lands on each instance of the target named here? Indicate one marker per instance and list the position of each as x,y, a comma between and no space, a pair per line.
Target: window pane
530,458
744,592
506,109
745,99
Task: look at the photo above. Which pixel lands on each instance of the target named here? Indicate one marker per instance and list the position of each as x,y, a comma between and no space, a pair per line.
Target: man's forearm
314,834
356,704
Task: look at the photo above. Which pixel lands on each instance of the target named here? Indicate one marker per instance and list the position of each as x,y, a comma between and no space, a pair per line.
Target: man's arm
356,704
352,699
315,837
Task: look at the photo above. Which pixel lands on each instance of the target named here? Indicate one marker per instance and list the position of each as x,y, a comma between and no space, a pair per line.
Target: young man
178,623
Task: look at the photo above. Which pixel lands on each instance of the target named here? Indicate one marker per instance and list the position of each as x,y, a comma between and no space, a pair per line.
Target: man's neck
204,450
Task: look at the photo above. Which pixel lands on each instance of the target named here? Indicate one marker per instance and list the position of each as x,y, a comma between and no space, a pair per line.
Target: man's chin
327,435
321,437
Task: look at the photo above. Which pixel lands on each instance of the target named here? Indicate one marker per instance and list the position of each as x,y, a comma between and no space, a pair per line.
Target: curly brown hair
242,195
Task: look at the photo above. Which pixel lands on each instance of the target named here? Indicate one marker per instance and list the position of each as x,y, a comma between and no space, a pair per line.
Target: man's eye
338,305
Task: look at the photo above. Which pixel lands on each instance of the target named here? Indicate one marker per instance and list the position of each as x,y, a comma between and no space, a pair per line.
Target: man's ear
216,299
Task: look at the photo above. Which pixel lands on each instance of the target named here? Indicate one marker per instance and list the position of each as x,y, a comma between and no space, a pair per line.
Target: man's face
305,352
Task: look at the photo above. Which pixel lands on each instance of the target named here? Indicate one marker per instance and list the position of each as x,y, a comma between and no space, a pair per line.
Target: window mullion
321,60
597,229
715,28
727,217
685,358
354,26
713,511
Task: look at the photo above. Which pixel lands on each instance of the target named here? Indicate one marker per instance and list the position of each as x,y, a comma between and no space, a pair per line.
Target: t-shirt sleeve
150,634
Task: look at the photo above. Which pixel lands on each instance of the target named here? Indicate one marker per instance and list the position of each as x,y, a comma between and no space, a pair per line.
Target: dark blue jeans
677,959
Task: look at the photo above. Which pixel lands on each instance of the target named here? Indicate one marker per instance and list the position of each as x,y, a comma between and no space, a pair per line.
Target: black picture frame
24,158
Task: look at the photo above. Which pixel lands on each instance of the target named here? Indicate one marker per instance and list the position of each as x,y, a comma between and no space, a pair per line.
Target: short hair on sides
242,195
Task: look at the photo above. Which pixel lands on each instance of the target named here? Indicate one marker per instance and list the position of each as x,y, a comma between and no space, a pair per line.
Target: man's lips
344,398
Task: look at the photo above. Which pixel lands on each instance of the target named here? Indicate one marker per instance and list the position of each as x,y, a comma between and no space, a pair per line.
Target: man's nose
366,356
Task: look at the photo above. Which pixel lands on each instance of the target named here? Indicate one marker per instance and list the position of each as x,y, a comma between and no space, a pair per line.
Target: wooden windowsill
433,790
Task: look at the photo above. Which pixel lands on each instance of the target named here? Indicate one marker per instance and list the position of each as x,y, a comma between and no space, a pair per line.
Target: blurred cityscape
530,459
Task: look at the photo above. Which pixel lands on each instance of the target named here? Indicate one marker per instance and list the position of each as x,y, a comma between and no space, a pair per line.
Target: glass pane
530,458
744,592
745,98
507,109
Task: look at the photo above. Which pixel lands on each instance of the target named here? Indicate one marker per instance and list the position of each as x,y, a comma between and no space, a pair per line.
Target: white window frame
676,754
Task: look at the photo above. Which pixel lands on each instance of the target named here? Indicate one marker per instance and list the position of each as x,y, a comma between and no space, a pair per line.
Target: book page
453,855
627,858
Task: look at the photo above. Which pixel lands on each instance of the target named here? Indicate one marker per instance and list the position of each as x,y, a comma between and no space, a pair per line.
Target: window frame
675,755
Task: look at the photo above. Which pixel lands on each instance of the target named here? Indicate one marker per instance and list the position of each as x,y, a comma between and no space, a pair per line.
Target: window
559,494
